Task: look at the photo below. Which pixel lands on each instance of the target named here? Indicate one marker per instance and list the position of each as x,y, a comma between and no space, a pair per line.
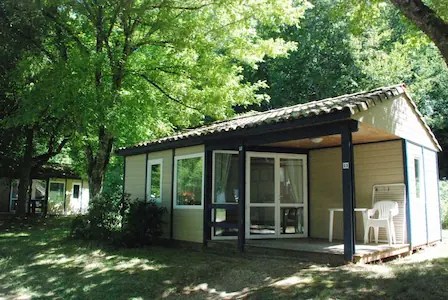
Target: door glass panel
262,180
291,181
262,220
226,178
292,221
229,216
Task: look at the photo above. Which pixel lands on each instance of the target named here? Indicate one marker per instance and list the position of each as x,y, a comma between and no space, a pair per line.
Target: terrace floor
320,249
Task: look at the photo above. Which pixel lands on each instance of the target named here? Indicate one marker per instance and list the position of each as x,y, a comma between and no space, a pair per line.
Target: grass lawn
38,261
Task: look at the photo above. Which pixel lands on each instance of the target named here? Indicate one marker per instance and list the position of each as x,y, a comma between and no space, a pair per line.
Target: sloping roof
356,102
49,170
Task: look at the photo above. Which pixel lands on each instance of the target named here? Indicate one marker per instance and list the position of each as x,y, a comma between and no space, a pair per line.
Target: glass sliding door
56,198
261,217
225,191
292,196
276,195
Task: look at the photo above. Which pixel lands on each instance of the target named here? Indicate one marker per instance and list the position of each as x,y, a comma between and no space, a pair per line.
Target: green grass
38,261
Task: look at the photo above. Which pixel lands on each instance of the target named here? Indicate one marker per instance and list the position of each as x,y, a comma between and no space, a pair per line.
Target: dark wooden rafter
260,135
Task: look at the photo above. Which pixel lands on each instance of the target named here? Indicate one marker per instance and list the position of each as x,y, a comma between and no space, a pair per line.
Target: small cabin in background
55,189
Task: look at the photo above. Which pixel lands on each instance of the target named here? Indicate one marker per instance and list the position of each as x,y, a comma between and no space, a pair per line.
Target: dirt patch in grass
38,261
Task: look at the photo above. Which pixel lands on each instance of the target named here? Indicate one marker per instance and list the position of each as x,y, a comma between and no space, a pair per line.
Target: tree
435,26
34,127
147,67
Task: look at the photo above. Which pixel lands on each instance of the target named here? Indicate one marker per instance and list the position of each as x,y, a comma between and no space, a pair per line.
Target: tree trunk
25,174
98,162
427,21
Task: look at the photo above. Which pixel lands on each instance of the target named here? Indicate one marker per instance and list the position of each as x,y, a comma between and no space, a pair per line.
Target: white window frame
150,163
219,237
276,204
420,174
176,159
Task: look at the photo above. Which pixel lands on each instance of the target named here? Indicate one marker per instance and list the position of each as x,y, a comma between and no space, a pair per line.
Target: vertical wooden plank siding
208,160
432,196
406,182
146,178
347,193
425,194
242,197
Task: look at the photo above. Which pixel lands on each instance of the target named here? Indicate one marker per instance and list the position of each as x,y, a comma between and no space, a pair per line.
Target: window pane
292,220
262,220
291,181
155,191
262,180
226,178
76,188
417,177
229,216
189,181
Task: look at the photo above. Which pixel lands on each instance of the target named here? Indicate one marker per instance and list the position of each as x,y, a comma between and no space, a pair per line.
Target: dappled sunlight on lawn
39,263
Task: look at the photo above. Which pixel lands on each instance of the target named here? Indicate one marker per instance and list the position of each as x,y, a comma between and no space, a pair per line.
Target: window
417,177
189,181
154,181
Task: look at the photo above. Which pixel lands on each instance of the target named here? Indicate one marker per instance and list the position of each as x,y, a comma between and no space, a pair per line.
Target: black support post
208,167
241,197
348,183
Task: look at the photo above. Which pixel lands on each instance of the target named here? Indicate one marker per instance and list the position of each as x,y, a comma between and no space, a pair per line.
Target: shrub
115,218
142,223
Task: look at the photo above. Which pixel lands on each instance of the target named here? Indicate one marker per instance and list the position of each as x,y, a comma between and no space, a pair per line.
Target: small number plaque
345,166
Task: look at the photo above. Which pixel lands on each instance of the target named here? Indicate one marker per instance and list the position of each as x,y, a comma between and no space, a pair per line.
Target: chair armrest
371,212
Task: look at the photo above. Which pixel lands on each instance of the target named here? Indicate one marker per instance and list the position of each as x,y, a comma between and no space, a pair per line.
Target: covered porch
325,146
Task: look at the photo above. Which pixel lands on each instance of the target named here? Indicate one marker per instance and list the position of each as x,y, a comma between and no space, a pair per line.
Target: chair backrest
386,209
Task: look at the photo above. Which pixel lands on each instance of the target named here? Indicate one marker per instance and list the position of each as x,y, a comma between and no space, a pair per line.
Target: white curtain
294,169
222,171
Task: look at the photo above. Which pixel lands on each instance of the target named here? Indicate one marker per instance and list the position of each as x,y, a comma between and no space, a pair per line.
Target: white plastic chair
387,210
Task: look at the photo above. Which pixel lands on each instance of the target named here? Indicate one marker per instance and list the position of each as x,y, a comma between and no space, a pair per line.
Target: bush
444,202
117,219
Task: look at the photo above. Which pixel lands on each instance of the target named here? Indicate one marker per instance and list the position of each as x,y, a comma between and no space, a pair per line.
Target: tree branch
427,21
158,87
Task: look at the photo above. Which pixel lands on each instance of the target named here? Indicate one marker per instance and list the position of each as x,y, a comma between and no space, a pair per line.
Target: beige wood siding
432,195
376,163
188,222
397,117
190,150
417,204
135,176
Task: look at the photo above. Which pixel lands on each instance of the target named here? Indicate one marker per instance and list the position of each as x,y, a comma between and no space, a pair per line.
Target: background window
417,177
189,177
154,185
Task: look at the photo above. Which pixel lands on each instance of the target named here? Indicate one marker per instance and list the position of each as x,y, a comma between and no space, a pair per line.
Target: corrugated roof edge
355,102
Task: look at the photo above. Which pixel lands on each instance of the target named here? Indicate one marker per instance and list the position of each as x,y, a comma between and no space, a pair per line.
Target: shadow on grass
37,261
